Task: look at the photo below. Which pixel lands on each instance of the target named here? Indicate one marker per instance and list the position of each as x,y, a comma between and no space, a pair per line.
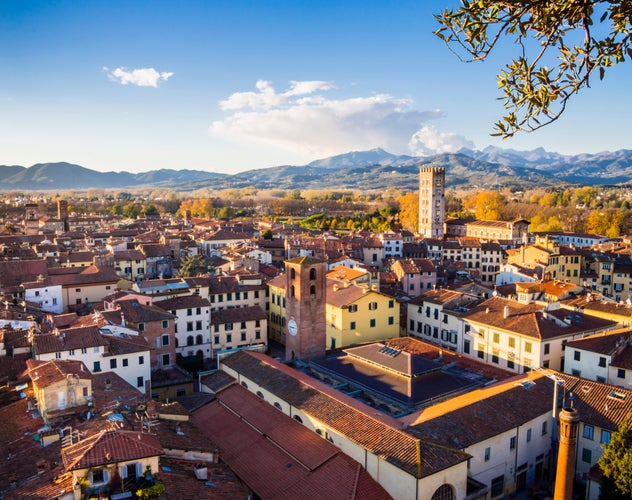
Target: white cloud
303,120
142,77
428,140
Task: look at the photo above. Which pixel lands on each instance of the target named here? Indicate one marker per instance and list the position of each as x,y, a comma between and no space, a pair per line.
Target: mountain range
375,169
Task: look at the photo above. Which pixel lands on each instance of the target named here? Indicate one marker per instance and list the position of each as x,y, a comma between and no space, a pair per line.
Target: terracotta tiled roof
237,314
277,456
531,319
70,338
179,303
45,373
104,448
464,420
139,313
393,445
603,343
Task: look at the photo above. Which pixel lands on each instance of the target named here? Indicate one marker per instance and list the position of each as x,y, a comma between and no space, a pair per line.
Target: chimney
506,312
569,424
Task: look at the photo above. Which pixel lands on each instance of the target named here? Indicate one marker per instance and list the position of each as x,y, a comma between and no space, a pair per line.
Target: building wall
370,318
86,293
50,298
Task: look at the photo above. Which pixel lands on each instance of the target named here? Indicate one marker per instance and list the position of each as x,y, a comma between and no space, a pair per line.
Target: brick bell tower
305,308
569,423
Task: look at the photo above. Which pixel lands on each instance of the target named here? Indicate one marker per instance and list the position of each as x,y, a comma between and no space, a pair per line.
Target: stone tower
569,424
305,305
31,219
431,201
62,212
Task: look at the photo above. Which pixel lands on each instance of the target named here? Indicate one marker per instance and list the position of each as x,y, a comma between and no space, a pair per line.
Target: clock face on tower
292,327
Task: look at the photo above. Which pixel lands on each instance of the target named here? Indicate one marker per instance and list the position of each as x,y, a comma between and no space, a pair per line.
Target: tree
193,265
486,205
616,464
409,211
577,39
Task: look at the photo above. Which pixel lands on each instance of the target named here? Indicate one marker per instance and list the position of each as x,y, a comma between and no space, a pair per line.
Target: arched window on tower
312,290
292,273
292,291
312,274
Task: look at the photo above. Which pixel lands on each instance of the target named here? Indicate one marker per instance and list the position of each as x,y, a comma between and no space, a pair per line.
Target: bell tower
305,306
431,201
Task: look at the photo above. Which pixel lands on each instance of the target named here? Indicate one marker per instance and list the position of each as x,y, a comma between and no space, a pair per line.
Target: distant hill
62,175
366,170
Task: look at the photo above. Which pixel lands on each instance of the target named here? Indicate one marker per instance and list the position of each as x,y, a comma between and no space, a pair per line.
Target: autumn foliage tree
409,211
486,205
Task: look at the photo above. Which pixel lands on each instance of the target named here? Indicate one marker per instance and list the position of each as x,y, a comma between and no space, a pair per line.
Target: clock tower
305,306
431,201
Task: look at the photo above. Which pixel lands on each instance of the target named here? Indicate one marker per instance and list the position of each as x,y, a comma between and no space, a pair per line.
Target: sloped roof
70,338
277,456
341,413
109,447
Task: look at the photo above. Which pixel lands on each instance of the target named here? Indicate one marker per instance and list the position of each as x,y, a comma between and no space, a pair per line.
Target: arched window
190,340
312,274
292,291
444,492
277,405
199,354
199,339
298,419
312,290
292,273
260,394
244,385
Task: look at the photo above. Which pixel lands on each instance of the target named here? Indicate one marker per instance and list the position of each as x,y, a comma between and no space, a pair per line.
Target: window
498,484
243,336
58,355
353,308
199,339
577,356
141,360
528,435
125,362
602,361
166,360
189,326
605,436
511,342
165,340
372,323
352,325
586,455
98,476
257,334
488,454
588,431
512,443
216,339
165,323
510,364
480,352
391,304
189,312
113,364
544,430
547,348
527,347
495,355
228,327
372,306
141,327
391,320
139,381
620,373
198,325
229,338
97,366
496,337
466,347
71,352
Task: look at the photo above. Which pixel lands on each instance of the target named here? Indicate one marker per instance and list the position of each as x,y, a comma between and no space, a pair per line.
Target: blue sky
227,86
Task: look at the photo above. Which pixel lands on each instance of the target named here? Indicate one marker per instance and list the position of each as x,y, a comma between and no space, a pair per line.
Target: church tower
305,305
431,201
569,424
